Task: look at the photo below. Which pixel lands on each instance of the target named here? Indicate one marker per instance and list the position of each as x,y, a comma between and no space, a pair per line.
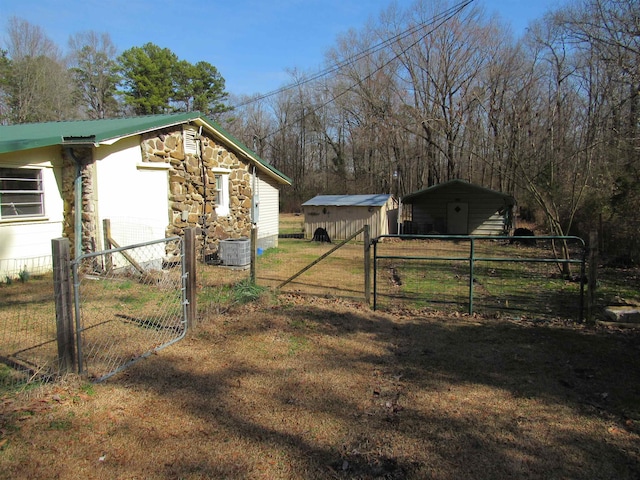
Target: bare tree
607,35
38,85
95,73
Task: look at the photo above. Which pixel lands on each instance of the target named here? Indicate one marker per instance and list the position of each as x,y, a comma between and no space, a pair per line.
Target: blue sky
252,43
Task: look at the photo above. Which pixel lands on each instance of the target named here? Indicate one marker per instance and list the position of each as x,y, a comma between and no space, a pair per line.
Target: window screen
21,192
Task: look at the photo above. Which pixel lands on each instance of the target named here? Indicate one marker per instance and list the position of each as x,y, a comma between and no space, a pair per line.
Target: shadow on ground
328,390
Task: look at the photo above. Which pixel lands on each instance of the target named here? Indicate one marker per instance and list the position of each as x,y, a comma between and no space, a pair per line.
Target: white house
151,176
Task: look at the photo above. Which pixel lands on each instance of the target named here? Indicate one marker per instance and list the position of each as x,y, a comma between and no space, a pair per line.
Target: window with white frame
21,193
221,187
218,188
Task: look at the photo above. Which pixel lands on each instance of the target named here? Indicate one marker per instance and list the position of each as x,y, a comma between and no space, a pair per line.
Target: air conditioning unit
235,252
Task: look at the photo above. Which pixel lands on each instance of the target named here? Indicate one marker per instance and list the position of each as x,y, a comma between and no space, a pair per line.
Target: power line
439,18
437,21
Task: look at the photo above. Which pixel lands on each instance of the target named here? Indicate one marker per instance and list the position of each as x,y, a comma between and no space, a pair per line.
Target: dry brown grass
340,274
317,388
291,223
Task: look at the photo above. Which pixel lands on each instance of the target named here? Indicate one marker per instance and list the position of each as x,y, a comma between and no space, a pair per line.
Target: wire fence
341,274
22,269
541,277
28,349
497,276
129,302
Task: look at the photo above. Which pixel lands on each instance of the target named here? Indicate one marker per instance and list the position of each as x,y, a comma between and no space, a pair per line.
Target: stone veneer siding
192,188
84,157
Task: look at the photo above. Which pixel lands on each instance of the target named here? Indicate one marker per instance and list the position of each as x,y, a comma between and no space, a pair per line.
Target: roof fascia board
113,135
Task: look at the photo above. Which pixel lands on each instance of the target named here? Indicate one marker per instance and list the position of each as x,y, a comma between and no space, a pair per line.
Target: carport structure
458,207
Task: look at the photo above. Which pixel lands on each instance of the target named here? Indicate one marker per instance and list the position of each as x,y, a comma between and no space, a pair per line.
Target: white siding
269,212
132,194
26,243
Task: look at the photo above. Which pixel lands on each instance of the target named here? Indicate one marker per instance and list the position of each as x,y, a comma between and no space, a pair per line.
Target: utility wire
440,17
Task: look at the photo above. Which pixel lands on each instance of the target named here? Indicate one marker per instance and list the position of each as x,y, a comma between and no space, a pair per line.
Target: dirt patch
315,388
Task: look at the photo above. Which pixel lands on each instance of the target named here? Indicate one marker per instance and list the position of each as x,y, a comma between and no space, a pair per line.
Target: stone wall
70,160
192,188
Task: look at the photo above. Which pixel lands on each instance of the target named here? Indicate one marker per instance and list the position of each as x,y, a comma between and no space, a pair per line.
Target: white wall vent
190,135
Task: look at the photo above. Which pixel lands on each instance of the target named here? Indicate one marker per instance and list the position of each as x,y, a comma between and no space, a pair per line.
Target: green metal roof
27,136
415,196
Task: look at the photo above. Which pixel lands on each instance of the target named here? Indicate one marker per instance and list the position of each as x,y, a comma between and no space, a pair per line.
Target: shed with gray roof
343,215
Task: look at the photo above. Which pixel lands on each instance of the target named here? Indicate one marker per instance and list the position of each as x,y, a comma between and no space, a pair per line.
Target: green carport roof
421,194
28,136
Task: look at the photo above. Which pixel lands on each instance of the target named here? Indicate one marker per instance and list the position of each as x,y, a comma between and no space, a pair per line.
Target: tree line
38,83
419,96
551,118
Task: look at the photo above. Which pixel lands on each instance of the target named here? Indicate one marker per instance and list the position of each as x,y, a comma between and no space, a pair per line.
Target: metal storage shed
343,215
458,208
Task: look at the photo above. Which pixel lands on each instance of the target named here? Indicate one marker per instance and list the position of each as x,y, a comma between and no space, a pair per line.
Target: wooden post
61,251
593,276
190,270
367,265
108,240
106,233
254,249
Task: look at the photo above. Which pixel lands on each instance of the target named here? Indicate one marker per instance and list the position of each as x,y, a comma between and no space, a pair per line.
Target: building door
457,218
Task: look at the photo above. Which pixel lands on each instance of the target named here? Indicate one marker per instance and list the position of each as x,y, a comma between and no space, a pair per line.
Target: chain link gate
129,302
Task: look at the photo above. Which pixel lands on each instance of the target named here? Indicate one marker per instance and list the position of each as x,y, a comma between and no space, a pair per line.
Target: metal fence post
375,273
190,274
367,265
592,280
254,248
61,251
472,255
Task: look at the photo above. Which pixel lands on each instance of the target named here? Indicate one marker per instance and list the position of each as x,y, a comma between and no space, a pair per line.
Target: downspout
256,197
77,190
203,176
255,194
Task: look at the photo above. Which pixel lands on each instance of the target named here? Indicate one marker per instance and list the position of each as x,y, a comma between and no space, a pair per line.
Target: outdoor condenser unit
235,252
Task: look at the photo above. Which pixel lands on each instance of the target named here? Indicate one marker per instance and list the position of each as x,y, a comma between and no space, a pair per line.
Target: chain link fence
28,349
129,302
97,314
